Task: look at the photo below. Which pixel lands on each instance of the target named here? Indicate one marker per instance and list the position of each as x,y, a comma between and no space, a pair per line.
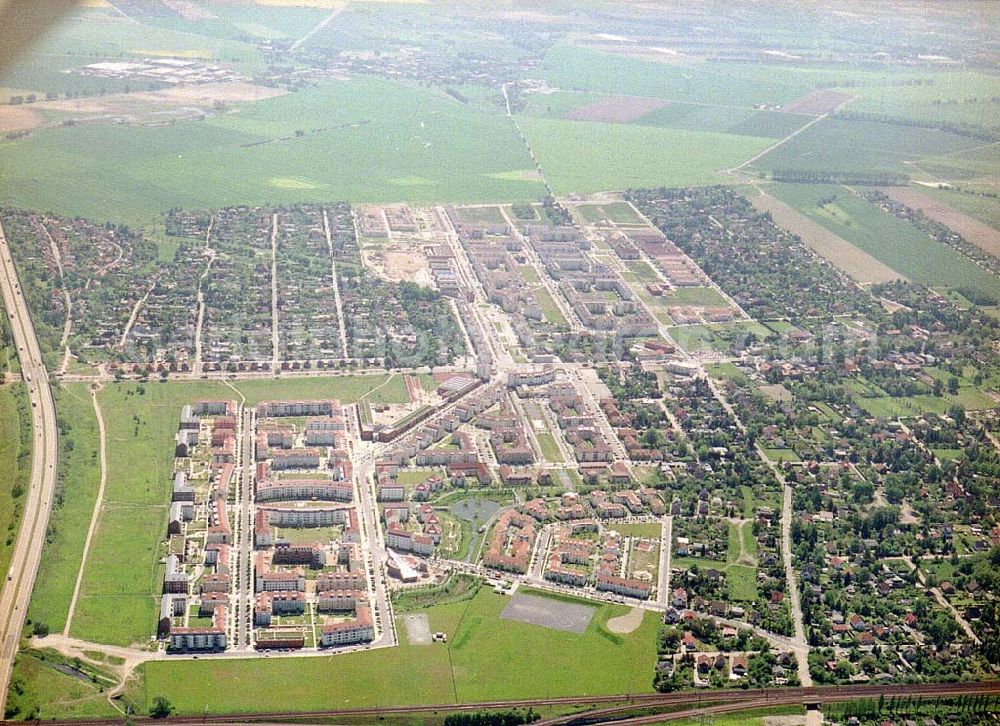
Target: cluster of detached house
200,491
340,595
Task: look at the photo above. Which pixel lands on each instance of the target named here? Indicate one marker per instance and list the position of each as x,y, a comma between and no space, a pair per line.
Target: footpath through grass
485,658
123,575
77,483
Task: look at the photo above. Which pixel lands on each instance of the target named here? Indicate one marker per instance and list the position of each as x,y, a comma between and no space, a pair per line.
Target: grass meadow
79,479
536,662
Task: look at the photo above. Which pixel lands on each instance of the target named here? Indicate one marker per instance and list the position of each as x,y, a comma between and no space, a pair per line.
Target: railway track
722,701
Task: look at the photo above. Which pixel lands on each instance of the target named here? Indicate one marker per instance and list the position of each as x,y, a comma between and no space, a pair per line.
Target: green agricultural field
740,121
729,84
965,164
985,209
15,464
79,476
428,149
946,99
892,241
538,662
841,145
587,156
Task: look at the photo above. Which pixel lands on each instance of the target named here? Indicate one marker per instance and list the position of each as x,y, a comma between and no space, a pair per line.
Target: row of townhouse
289,516
511,542
610,576
281,490
212,638
278,409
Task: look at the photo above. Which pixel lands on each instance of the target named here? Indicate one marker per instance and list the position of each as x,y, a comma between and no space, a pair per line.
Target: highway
20,579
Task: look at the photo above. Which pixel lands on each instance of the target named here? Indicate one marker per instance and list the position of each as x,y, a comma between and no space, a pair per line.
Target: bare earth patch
981,235
19,118
399,263
548,613
204,94
626,623
418,629
616,109
855,262
817,103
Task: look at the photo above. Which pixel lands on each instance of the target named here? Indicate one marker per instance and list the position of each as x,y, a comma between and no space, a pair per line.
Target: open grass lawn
742,582
588,156
892,241
485,215
15,469
346,389
716,336
782,455
727,372
652,530
968,398
754,717
616,212
693,337
549,308
537,662
701,296
642,271
549,447
364,140
79,470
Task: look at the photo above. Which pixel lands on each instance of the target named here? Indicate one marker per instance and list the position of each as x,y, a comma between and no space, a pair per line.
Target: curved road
20,579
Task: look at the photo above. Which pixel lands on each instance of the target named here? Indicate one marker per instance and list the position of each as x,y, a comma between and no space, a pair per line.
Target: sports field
537,662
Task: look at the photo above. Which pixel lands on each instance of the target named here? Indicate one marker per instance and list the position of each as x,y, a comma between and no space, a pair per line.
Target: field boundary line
98,505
